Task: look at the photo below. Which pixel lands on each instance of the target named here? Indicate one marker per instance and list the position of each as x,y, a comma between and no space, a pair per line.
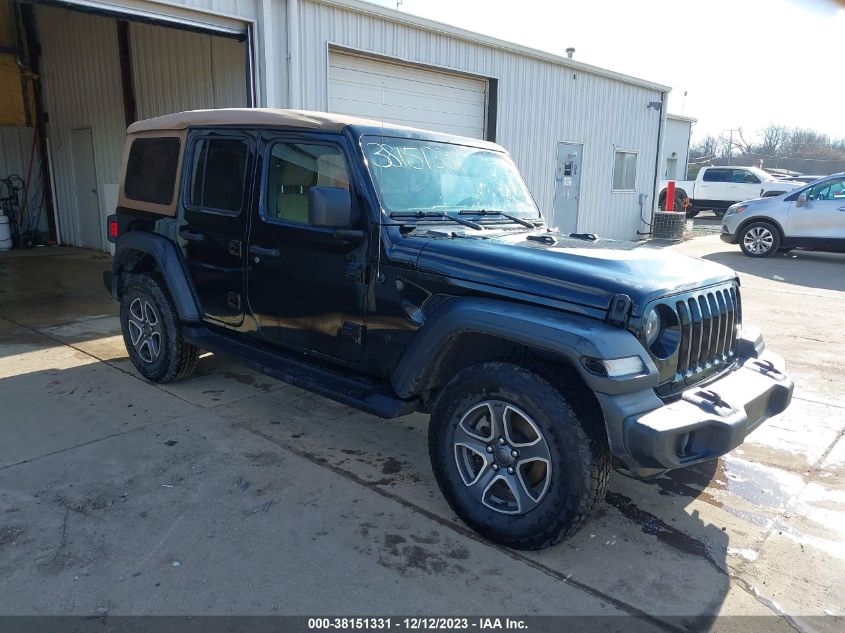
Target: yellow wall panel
11,94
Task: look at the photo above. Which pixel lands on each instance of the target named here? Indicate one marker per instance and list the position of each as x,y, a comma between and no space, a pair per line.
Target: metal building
588,140
676,146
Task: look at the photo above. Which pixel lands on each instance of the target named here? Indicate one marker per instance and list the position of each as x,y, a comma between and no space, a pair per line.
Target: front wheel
759,239
518,454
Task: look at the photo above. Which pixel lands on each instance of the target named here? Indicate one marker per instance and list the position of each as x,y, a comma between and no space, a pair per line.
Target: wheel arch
760,218
470,330
139,252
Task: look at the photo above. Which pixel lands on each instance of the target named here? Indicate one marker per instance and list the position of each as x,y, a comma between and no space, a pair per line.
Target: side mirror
801,200
330,207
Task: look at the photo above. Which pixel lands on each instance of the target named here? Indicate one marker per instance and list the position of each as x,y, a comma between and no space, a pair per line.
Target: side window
828,190
151,170
745,177
292,170
624,171
717,175
218,174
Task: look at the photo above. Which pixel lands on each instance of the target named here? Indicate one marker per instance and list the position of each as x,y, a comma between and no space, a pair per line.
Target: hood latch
620,309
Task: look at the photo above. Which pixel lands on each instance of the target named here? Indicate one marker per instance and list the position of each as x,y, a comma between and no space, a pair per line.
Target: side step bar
361,394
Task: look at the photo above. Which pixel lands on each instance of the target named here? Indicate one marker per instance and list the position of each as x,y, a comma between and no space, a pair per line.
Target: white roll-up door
407,95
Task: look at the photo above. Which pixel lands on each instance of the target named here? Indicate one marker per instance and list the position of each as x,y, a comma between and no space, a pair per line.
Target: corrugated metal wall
15,150
539,104
210,73
80,76
172,70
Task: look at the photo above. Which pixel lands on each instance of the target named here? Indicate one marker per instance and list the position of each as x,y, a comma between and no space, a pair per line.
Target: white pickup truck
717,188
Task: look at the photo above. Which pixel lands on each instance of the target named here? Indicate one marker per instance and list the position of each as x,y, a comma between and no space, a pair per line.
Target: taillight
112,223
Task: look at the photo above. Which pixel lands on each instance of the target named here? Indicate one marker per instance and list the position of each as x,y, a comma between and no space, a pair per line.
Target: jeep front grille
708,323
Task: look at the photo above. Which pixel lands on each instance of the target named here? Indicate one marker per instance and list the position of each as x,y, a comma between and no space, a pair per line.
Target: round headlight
651,326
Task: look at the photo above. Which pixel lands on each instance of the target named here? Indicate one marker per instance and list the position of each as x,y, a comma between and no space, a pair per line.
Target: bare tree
772,140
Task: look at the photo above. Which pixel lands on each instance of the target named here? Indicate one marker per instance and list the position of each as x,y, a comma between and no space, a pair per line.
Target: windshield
412,175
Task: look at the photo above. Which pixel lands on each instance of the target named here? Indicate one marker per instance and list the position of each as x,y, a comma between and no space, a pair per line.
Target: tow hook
766,368
708,400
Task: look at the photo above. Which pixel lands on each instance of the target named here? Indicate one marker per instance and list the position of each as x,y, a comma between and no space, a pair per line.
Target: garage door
407,95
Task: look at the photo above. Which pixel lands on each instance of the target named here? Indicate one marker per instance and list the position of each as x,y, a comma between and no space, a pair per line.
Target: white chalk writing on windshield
389,156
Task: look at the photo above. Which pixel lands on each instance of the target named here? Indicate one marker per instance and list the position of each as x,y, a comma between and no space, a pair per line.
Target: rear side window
718,175
151,170
218,174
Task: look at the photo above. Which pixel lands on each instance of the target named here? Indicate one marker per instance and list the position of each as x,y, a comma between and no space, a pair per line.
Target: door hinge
233,300
620,308
358,272
355,331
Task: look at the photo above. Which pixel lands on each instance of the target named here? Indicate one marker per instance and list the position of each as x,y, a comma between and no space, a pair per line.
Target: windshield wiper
512,218
436,214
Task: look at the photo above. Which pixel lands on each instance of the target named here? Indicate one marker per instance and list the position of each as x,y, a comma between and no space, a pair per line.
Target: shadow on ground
811,269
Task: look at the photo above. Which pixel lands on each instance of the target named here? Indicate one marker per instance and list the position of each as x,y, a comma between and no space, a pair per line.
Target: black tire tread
180,357
576,403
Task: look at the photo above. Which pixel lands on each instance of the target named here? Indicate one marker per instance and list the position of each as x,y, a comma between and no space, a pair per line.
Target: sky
742,63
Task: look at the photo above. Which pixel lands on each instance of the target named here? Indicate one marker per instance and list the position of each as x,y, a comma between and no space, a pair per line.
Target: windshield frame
385,213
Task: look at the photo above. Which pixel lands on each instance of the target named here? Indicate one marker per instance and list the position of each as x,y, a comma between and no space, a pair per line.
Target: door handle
192,236
265,252
841,208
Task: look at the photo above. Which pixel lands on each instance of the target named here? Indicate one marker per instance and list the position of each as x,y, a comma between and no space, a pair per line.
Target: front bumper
726,235
706,422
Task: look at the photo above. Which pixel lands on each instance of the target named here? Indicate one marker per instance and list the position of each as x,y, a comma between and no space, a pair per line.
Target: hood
588,273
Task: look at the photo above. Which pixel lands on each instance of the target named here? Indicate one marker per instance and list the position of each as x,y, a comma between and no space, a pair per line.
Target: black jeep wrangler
397,270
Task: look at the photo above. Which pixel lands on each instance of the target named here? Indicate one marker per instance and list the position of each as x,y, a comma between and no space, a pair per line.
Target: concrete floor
231,493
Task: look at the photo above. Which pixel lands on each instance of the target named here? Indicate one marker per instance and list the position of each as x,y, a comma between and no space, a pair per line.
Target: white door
713,185
85,186
407,95
823,216
744,185
567,186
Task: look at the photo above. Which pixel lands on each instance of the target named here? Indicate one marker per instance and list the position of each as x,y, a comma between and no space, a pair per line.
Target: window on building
294,168
218,173
151,170
624,171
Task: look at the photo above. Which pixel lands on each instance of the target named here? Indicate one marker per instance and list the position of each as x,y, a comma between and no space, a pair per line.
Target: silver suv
812,217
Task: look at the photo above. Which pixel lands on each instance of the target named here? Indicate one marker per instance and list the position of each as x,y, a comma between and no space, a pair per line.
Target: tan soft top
252,116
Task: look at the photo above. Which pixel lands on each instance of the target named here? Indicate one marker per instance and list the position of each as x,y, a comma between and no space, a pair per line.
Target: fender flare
170,264
568,336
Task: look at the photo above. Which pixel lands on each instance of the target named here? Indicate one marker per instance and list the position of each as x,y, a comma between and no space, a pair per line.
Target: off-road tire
679,201
571,423
176,358
762,228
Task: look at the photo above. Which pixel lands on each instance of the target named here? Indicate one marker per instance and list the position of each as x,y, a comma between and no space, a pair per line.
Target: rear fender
133,246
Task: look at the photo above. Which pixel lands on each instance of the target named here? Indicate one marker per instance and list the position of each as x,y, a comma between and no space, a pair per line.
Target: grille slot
707,323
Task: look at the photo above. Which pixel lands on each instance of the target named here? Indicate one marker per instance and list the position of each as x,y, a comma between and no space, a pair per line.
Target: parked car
803,179
812,217
717,188
397,270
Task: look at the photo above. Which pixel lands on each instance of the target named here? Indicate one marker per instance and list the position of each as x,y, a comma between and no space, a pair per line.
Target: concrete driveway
231,493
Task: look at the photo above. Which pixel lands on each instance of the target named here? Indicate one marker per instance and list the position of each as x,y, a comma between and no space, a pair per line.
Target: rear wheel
759,239
517,454
679,202
152,332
